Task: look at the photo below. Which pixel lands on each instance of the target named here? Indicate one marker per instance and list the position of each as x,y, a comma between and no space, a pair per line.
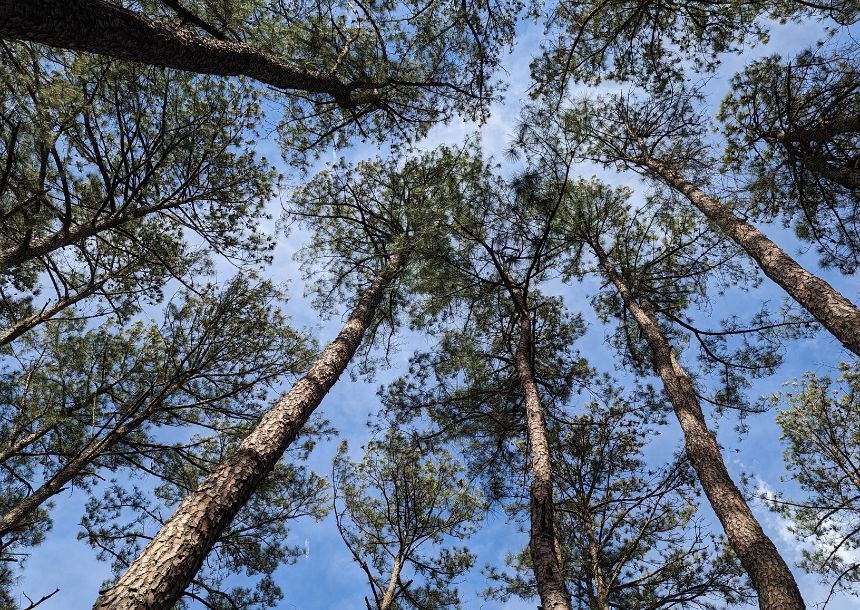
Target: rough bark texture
835,312
96,26
770,575
388,596
157,578
543,544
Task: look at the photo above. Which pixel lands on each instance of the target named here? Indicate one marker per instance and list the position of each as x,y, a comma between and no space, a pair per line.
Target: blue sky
327,577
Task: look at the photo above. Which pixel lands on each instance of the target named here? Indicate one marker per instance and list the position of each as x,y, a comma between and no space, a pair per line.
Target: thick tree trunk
100,27
543,544
157,578
770,575
836,313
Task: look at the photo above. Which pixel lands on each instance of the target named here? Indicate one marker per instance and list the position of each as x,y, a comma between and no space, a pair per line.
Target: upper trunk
770,575
158,577
100,27
543,543
27,250
388,596
835,312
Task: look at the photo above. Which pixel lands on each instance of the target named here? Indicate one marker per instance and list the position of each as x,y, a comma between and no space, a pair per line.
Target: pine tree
368,256
792,131
662,138
770,575
399,511
81,403
628,530
110,171
821,433
344,69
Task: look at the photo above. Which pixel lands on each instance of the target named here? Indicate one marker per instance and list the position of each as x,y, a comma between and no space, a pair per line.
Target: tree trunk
543,544
96,26
26,250
770,575
160,574
388,596
18,517
836,313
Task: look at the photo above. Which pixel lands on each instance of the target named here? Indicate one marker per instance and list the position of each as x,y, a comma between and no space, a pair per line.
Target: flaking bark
768,571
160,574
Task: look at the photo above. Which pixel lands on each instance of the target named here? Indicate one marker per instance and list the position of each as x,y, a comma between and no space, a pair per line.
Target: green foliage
657,43
659,248
496,246
76,402
360,217
112,171
399,510
402,66
467,388
821,431
792,128
628,530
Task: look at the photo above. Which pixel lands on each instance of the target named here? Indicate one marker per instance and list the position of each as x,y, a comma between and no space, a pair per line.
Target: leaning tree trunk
770,575
160,574
101,27
835,312
388,596
543,544
19,516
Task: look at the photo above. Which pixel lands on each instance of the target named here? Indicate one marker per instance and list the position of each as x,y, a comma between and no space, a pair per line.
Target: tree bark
543,543
97,26
160,574
26,251
770,575
18,517
388,596
835,312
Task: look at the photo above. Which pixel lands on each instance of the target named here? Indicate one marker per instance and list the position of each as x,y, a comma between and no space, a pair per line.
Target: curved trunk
543,544
836,313
159,575
96,26
768,571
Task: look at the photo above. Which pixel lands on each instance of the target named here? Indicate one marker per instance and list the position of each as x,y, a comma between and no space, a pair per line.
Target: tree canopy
267,273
